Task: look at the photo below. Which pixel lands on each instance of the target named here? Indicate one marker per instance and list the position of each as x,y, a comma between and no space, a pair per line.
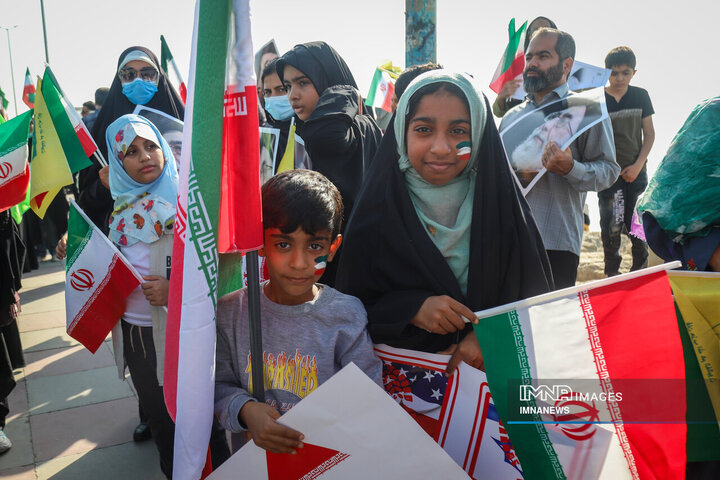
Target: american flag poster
457,412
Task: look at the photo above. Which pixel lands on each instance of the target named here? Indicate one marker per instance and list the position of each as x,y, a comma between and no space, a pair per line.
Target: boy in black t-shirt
631,113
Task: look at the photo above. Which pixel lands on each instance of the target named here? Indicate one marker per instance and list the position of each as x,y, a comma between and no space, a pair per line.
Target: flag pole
12,73
42,13
256,350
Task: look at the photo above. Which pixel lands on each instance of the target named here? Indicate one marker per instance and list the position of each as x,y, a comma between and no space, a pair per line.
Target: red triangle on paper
311,459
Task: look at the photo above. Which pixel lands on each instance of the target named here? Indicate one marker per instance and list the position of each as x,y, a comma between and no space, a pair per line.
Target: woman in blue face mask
278,111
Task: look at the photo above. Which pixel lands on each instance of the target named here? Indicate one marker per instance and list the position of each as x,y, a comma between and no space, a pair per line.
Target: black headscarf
95,199
391,264
166,99
321,63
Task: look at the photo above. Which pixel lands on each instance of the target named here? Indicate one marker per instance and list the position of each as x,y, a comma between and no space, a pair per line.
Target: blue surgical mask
279,107
139,91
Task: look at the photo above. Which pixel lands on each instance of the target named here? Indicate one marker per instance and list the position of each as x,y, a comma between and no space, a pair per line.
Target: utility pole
420,32
42,13
12,73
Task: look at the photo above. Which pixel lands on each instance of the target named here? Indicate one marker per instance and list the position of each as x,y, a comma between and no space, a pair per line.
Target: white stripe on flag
12,164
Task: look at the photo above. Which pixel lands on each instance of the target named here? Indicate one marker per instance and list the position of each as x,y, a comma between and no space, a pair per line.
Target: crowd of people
392,237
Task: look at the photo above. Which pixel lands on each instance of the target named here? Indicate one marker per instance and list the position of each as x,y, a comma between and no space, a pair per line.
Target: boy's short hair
620,56
304,199
269,69
90,105
410,74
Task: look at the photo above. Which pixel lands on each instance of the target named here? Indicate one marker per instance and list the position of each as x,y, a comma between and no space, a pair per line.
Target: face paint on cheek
463,150
320,264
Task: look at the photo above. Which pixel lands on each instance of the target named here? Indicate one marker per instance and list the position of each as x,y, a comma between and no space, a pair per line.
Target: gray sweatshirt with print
303,346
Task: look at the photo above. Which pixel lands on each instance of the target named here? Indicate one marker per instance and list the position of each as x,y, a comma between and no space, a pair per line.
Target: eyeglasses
128,74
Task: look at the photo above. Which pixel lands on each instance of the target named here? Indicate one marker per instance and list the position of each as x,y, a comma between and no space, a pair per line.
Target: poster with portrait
582,76
269,140
169,127
561,121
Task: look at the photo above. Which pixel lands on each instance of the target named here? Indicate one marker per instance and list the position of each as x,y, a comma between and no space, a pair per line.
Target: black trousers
564,267
139,351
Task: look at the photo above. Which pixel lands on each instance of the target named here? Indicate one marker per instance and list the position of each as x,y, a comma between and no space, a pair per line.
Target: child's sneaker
5,442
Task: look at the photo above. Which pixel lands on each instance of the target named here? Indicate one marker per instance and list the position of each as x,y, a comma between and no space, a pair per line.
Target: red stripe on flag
85,139
183,92
14,191
240,229
172,327
638,333
516,68
105,307
387,103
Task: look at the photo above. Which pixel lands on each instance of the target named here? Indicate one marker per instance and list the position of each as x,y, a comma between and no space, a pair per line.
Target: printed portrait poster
353,431
561,121
582,76
169,127
269,140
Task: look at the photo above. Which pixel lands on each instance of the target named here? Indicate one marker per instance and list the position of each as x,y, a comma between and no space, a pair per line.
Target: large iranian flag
512,62
570,367
200,274
14,168
98,279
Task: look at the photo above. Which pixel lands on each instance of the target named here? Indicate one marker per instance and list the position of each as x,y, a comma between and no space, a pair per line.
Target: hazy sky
673,42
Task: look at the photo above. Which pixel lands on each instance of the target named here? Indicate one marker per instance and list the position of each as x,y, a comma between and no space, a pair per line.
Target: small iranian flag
590,381
513,61
165,57
28,90
98,279
382,87
71,115
14,168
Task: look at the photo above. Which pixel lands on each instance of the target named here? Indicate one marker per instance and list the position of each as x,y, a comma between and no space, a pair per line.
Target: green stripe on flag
503,347
79,233
165,54
377,78
76,158
14,133
513,44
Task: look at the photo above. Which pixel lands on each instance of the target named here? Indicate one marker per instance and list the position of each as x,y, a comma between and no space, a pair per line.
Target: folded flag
165,57
14,168
382,87
98,279
28,90
570,367
512,62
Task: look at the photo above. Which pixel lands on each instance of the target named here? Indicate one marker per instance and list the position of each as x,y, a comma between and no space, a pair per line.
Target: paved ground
70,415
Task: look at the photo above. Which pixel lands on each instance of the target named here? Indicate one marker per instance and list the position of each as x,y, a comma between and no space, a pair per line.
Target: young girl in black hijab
441,231
339,138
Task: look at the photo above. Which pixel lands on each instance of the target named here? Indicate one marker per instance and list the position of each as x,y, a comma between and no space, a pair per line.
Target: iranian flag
200,274
167,56
382,88
14,167
83,134
28,90
573,367
512,62
98,279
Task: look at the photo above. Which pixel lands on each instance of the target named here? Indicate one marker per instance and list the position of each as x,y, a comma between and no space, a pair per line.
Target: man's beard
544,79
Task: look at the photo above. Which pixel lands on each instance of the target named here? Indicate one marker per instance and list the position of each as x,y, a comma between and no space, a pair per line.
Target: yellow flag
288,160
697,295
49,170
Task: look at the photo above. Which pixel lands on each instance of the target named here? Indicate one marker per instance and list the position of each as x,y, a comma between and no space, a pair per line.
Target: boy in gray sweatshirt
310,330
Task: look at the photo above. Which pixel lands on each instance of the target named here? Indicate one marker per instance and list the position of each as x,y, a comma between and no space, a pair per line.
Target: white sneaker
5,442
